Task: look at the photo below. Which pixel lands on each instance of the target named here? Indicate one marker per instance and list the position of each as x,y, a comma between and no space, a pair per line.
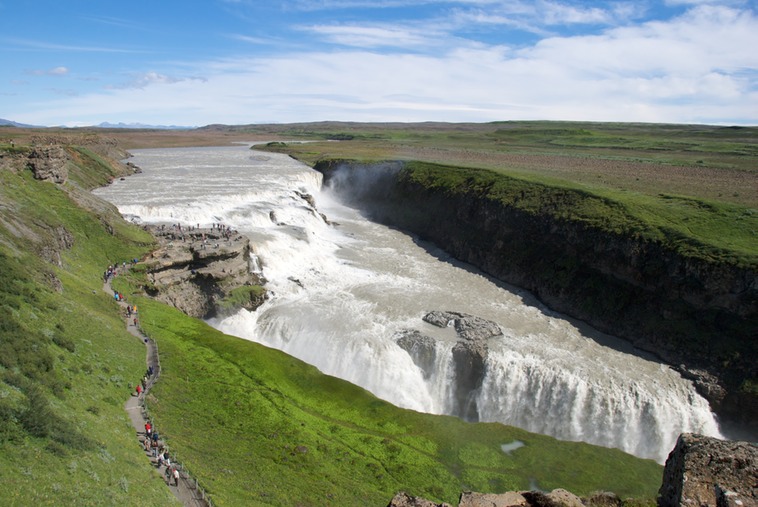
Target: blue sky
194,63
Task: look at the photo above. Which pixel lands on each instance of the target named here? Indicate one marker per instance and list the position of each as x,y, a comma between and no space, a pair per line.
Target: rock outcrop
701,313
49,163
403,499
705,471
198,270
469,354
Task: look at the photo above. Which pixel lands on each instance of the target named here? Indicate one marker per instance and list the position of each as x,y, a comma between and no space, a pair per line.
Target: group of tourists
193,233
143,384
154,446
113,269
159,450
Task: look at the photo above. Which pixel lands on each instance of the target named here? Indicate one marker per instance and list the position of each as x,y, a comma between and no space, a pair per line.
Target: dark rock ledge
196,270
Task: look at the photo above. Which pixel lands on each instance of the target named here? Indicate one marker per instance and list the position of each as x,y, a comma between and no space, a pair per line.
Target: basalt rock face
196,270
707,471
698,315
469,354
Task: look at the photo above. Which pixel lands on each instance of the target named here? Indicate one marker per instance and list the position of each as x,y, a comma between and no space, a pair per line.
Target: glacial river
342,289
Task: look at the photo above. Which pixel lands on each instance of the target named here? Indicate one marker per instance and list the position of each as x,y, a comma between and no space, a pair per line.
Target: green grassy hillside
67,363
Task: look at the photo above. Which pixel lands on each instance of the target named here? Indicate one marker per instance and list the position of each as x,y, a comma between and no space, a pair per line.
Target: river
343,289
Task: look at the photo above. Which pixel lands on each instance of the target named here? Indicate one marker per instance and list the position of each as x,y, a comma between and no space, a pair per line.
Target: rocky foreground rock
555,498
707,471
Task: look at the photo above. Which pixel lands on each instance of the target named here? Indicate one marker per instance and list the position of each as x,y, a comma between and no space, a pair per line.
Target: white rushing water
341,293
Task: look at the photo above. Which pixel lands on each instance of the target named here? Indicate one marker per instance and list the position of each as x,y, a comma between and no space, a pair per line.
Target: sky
200,62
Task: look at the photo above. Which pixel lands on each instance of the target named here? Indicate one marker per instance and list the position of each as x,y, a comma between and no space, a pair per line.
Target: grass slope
66,361
262,428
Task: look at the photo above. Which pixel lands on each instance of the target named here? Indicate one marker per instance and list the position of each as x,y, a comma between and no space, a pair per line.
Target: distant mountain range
9,123
121,125
103,125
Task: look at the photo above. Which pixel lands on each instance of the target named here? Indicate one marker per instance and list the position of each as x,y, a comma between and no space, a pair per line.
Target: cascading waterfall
343,290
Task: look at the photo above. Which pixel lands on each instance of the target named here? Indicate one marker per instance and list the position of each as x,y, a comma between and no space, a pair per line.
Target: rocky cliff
469,354
203,272
696,314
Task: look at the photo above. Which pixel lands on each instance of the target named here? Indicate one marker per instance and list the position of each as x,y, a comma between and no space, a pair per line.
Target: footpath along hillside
186,490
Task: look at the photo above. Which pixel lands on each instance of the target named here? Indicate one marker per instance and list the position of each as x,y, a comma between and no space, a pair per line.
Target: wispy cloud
314,5
731,3
48,46
370,36
56,71
67,92
154,78
118,22
264,41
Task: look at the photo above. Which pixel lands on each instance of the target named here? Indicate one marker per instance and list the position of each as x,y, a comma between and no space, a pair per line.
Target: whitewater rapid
342,288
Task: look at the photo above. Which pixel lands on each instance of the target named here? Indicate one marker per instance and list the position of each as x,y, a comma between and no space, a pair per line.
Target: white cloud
560,14
49,46
734,3
254,40
698,68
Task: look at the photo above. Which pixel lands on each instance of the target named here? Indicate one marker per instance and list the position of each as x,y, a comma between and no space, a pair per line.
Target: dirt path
186,491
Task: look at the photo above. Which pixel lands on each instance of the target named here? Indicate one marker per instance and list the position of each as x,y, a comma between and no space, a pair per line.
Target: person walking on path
133,406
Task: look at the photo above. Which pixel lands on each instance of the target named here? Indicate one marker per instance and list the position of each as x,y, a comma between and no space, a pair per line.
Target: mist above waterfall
345,291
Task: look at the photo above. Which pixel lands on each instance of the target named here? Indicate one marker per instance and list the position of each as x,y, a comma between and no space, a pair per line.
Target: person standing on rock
176,476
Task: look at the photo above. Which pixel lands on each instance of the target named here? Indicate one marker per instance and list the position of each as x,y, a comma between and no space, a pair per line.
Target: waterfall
343,290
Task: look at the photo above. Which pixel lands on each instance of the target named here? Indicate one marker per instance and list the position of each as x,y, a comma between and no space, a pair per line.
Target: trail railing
200,496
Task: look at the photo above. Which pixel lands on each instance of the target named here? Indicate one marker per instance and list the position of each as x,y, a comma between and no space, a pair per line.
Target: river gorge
344,292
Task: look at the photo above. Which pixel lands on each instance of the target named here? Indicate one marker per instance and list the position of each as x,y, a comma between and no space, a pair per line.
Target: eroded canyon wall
696,314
